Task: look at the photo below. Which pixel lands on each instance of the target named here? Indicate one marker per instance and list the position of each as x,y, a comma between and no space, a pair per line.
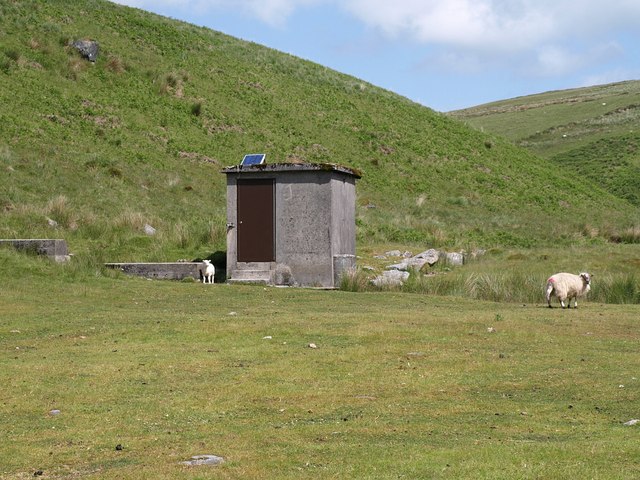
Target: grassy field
460,374
400,385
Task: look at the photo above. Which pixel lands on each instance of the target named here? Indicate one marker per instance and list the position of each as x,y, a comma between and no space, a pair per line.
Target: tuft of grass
620,289
13,55
354,280
172,83
115,64
131,219
59,209
196,109
630,236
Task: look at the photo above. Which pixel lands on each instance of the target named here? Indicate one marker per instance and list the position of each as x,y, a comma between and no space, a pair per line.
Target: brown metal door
256,221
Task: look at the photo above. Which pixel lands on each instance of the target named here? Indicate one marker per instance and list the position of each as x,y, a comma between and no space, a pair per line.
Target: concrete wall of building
314,221
232,222
343,226
303,226
343,219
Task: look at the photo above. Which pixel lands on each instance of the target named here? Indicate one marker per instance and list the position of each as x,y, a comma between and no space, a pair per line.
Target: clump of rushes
196,109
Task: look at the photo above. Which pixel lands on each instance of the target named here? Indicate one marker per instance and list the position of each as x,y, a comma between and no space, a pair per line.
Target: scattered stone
233,314
283,275
15,331
455,259
366,397
402,266
391,278
52,223
89,49
415,354
430,256
312,345
491,330
204,460
149,230
477,253
54,412
631,422
268,337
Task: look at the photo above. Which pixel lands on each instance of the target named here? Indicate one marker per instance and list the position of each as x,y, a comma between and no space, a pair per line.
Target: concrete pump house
290,224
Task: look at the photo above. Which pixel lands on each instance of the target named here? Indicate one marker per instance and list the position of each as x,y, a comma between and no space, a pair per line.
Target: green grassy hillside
140,138
592,132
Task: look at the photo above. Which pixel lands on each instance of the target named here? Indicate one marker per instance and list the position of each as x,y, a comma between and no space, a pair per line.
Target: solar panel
253,159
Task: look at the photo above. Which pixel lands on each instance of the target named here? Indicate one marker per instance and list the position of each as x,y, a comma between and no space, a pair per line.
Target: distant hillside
99,150
593,132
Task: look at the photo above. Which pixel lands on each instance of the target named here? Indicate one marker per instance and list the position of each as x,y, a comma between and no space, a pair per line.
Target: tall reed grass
506,286
617,289
354,280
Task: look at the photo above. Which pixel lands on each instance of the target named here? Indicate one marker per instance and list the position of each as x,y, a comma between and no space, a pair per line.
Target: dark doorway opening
256,232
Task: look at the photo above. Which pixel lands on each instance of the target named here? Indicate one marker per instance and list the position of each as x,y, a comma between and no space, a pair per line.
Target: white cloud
479,24
532,37
540,37
496,26
473,24
553,60
271,12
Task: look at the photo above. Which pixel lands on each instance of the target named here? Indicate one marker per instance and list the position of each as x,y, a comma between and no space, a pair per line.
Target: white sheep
208,271
567,286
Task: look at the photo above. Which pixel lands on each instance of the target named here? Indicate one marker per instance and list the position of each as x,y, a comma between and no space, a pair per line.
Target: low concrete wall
164,271
342,264
55,249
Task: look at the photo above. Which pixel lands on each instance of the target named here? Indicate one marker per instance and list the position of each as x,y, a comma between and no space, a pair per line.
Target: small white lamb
567,286
208,271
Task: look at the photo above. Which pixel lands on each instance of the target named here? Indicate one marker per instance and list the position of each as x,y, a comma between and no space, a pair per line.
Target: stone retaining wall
164,271
55,249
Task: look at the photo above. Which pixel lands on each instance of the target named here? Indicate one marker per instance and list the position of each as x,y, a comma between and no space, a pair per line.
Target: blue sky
445,54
